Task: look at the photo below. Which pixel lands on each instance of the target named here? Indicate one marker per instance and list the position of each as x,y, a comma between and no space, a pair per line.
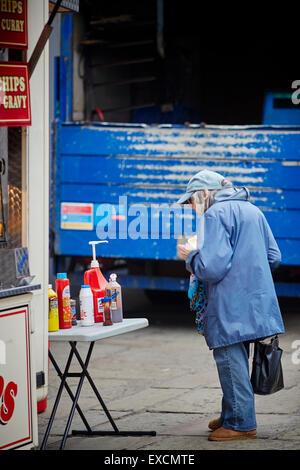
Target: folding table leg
63,376
57,400
70,391
82,376
116,431
87,375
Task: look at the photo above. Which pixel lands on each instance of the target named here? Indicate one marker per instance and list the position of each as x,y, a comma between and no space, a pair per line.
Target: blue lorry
117,180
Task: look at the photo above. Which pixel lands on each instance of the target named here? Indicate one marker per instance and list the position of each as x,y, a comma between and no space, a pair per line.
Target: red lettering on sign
7,400
1,386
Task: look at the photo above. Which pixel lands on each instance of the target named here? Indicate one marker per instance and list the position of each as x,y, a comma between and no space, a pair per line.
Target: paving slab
200,400
147,399
193,443
188,432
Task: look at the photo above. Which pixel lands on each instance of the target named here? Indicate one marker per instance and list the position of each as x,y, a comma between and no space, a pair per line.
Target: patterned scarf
198,301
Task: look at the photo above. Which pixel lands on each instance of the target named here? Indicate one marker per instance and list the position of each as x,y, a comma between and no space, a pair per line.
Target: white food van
24,216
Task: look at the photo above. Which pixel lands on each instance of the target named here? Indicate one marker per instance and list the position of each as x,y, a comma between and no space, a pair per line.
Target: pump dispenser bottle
95,279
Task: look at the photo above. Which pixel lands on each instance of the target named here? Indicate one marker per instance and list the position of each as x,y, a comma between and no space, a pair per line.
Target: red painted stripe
72,209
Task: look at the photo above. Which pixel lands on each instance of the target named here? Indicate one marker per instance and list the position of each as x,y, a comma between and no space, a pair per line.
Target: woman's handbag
267,376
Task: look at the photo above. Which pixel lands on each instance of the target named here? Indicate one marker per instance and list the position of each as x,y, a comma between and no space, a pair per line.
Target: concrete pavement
164,378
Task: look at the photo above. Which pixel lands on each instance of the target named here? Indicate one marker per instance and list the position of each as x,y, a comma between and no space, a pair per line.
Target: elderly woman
234,262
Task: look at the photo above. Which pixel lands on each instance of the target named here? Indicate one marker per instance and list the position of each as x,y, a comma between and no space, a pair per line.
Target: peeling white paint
169,141
172,177
253,198
290,163
183,140
156,195
194,168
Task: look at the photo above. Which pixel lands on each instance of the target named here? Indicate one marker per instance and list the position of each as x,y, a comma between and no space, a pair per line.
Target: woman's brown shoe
214,424
224,434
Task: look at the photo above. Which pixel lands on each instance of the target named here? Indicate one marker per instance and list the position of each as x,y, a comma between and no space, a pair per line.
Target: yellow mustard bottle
53,321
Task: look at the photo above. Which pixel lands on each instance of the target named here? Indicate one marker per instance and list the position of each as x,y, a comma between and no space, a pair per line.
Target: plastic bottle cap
85,287
49,286
113,277
94,264
61,276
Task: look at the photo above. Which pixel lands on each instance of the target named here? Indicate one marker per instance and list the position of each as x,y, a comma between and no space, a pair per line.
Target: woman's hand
184,251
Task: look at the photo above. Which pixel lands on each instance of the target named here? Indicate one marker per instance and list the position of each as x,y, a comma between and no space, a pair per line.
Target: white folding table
89,334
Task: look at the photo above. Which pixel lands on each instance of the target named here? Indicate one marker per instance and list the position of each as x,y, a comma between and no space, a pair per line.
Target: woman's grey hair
203,204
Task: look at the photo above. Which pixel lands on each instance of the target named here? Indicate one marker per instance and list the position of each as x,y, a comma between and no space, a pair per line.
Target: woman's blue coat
235,262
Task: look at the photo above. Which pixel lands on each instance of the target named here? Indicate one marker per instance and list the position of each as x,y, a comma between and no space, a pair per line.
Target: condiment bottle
53,320
86,306
73,312
95,279
62,284
107,313
114,289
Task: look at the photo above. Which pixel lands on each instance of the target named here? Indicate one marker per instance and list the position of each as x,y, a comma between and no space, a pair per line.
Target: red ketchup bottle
62,285
95,279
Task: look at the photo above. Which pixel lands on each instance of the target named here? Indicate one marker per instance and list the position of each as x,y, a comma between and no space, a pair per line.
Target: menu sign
13,24
16,402
15,107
